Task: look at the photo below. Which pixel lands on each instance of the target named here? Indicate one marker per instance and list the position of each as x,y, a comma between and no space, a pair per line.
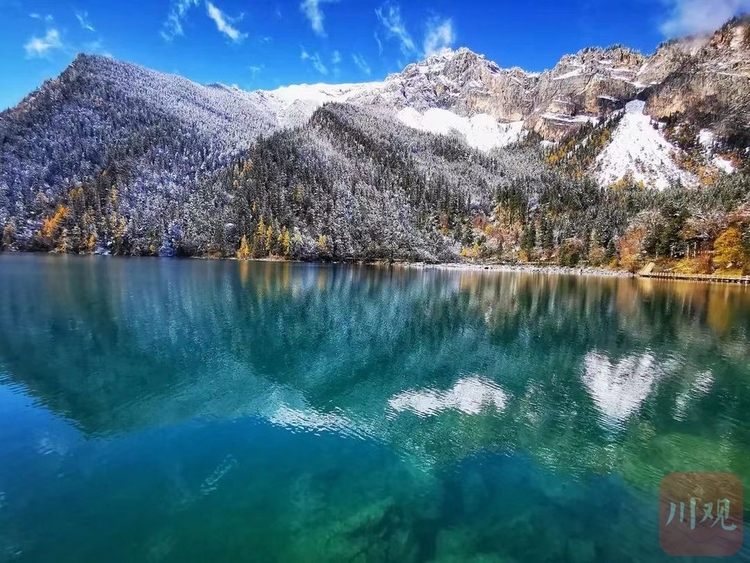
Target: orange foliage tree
728,249
52,226
630,247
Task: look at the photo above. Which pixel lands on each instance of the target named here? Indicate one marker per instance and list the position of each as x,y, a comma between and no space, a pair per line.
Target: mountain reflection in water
323,407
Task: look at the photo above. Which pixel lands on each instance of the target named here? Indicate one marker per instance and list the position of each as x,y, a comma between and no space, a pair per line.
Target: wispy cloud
48,18
312,10
686,17
83,19
254,70
316,61
360,61
42,46
379,42
173,24
390,17
96,46
224,23
336,63
439,35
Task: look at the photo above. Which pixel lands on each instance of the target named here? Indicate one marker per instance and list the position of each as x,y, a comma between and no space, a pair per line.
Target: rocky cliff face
583,87
708,86
460,81
578,90
704,78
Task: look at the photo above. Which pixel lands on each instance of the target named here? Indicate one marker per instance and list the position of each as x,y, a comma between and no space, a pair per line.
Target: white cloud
173,24
390,17
439,36
316,61
687,17
224,23
360,61
83,19
41,46
312,10
256,69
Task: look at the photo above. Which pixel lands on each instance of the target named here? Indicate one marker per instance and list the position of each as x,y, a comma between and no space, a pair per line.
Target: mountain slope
100,109
639,151
692,86
452,156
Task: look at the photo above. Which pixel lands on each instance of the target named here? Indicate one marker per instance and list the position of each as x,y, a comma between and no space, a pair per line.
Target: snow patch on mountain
320,93
481,131
640,150
294,105
571,74
723,164
706,139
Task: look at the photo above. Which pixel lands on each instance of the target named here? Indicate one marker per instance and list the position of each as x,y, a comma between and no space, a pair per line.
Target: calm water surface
164,410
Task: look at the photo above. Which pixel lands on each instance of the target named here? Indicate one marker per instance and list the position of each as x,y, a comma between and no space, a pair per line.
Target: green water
165,410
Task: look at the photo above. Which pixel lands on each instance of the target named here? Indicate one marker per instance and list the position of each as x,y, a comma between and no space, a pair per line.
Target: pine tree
74,240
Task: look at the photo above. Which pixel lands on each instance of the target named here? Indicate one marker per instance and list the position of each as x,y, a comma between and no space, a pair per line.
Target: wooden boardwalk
648,272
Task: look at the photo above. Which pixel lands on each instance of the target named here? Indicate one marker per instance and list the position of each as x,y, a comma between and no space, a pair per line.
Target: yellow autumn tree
62,244
118,226
269,239
244,252
91,242
298,194
52,225
728,250
9,235
323,244
630,247
258,245
285,243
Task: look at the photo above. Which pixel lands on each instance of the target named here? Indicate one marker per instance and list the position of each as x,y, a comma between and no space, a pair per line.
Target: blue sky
267,43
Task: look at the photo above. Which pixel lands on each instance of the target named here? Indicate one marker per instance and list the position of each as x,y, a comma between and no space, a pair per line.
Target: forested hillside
116,159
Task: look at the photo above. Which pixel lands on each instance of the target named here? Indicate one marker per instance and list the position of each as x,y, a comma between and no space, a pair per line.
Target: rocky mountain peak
703,82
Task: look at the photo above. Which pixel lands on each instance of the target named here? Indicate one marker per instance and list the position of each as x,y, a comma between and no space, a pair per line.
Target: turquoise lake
186,410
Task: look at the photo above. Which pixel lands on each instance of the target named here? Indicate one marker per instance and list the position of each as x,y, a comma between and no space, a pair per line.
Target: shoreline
585,271
518,268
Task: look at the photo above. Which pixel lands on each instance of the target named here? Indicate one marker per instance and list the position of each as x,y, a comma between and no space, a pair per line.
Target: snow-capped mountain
696,80
114,157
